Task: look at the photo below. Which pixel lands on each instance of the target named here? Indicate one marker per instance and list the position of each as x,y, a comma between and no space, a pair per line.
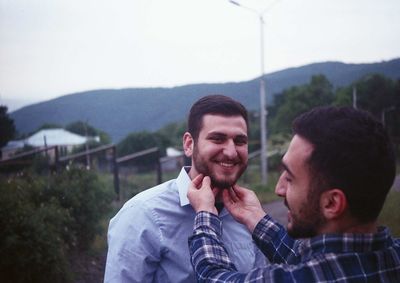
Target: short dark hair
353,153
216,105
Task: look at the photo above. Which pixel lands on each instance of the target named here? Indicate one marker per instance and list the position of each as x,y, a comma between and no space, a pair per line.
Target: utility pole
354,97
263,94
87,147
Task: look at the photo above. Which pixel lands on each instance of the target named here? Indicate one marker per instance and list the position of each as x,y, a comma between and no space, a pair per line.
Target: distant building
11,148
173,161
64,139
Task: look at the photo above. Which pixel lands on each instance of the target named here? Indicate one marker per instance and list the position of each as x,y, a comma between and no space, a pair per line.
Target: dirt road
277,210
396,185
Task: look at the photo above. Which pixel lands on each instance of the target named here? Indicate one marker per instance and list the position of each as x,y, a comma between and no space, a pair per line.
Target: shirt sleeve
273,240
134,245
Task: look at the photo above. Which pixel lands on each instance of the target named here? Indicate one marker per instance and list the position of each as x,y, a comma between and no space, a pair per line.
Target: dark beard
308,220
223,184
202,168
305,228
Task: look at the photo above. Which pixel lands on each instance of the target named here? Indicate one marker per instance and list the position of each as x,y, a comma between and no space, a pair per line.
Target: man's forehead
300,146
214,121
298,152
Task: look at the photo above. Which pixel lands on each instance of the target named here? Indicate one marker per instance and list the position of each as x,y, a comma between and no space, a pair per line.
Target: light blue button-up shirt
148,238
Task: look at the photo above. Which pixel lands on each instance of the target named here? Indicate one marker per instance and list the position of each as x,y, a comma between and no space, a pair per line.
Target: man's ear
333,203
188,143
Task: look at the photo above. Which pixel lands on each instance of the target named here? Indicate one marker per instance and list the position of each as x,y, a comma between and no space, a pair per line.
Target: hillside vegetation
120,112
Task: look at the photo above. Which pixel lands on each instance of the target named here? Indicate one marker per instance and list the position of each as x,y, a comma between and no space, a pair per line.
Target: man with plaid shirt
336,174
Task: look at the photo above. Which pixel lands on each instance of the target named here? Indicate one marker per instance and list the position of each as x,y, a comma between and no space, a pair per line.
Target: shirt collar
183,182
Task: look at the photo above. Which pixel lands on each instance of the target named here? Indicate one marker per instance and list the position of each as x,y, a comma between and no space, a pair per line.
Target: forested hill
119,112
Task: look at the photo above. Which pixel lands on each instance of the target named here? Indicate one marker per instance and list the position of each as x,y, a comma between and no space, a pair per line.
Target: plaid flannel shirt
324,258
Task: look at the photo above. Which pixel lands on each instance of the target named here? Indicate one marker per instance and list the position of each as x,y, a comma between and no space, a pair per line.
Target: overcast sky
49,48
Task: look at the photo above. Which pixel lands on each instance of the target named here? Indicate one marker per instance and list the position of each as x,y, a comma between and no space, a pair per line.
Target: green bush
31,246
390,215
44,219
86,199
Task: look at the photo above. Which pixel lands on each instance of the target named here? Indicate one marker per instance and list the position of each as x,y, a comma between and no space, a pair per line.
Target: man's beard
306,223
222,183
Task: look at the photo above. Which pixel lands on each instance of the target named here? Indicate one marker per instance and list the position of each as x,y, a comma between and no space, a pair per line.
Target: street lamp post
383,114
263,110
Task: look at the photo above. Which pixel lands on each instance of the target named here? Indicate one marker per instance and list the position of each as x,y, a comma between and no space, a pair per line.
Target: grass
390,215
135,183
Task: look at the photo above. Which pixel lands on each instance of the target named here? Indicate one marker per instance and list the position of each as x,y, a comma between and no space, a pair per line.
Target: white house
173,161
45,138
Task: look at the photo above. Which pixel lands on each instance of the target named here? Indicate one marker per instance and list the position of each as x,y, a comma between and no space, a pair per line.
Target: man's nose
280,188
230,149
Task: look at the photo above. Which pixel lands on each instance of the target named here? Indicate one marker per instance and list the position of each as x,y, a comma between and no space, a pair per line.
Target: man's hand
243,205
201,196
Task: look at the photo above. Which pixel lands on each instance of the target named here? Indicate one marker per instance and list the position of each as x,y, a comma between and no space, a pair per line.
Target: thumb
206,183
196,182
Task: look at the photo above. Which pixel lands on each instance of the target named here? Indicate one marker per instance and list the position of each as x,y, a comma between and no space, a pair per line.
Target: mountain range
119,112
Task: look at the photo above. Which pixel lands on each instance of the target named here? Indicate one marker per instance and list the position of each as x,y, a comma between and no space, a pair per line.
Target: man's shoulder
146,202
165,192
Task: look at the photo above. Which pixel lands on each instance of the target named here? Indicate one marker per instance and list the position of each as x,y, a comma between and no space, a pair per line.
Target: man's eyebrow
225,135
242,136
284,166
218,134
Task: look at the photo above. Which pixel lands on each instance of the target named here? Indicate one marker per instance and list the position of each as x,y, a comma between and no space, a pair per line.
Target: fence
105,158
123,169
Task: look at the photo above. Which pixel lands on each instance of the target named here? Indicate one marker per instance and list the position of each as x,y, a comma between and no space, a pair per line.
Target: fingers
215,192
200,183
233,194
239,191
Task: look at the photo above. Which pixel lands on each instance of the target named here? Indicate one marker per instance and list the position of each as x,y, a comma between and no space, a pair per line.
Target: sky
50,48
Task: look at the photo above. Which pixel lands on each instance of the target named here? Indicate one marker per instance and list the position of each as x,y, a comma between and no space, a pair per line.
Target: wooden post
158,165
56,156
116,173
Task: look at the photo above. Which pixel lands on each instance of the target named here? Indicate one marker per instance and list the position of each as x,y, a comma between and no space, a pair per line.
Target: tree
139,141
173,133
7,127
84,129
49,126
299,99
374,94
378,95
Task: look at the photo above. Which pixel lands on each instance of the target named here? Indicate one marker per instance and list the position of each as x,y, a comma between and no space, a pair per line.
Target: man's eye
217,139
286,176
240,141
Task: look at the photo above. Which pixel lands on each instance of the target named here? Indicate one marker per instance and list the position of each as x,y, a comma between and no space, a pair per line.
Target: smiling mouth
227,165
286,204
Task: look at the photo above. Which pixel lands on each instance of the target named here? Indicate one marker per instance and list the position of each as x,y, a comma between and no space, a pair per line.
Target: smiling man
147,239
219,150
336,174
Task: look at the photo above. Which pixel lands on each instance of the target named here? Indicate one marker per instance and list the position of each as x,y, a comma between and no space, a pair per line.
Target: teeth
226,164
